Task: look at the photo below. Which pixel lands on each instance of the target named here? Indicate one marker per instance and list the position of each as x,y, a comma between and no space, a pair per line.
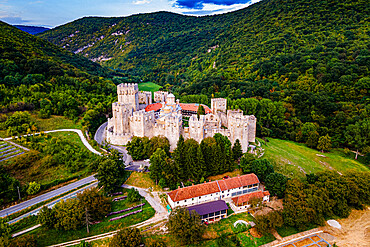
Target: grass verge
142,180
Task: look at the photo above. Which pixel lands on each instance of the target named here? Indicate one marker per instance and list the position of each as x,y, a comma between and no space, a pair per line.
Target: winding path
79,132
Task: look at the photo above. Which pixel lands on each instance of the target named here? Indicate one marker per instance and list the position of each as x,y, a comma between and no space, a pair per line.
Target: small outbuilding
210,211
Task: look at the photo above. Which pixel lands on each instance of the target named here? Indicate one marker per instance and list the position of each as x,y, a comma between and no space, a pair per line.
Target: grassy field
49,237
142,180
295,159
72,137
149,86
52,123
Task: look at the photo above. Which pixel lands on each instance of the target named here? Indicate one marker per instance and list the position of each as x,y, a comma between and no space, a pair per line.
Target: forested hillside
300,66
37,75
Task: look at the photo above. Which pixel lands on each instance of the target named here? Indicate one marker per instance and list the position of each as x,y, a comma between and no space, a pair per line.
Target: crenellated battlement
218,105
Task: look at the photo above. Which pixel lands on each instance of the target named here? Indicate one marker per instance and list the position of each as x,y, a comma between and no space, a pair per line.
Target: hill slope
285,40
30,53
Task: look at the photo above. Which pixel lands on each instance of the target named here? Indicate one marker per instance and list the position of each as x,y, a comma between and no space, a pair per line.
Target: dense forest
302,67
37,75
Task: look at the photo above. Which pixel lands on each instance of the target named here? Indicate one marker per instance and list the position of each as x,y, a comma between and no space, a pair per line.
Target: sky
52,13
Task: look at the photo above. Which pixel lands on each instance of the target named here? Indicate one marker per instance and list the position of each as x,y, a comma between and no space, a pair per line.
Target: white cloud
137,2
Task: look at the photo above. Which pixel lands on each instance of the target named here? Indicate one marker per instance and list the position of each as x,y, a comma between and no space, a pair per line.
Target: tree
246,162
262,168
200,111
185,226
159,142
157,163
33,188
312,139
128,237
24,241
237,150
69,215
46,217
265,223
98,205
133,195
276,184
179,155
4,228
358,135
110,174
324,143
139,148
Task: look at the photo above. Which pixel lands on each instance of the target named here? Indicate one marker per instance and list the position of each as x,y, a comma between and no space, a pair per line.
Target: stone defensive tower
128,94
218,105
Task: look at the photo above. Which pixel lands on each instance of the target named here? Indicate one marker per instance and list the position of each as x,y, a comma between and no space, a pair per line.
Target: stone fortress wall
130,119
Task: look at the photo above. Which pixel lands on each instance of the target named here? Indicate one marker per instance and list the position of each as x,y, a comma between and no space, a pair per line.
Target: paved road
46,196
79,132
99,134
52,204
99,137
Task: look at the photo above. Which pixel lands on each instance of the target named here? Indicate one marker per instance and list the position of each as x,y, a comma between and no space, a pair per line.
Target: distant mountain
301,44
32,54
32,29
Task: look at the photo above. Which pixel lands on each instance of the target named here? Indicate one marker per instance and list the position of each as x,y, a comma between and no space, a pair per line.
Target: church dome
171,96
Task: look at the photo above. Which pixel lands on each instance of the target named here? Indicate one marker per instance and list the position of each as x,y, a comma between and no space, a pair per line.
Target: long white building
234,188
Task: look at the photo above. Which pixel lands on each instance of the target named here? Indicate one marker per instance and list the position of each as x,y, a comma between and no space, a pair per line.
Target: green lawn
72,137
54,122
149,86
293,158
49,237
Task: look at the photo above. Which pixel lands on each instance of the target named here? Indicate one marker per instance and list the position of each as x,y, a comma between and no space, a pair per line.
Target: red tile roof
184,107
212,187
153,107
239,200
194,107
240,181
193,191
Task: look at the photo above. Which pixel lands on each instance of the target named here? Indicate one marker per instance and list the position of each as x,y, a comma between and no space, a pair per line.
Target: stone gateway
135,115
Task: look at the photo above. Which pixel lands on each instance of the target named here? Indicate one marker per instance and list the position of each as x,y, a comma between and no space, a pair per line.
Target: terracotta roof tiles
212,187
245,198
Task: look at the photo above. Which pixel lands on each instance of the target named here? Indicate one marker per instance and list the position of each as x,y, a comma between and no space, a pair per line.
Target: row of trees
193,162
71,214
142,147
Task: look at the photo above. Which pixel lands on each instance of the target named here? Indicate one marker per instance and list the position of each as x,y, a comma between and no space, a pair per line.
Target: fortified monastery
135,115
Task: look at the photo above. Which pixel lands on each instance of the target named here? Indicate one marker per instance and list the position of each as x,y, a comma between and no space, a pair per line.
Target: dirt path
355,230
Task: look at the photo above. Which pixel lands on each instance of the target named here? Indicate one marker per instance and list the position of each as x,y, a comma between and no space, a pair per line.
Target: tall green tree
262,168
179,156
110,174
185,226
69,215
200,111
237,150
97,205
127,237
324,143
276,184
157,163
46,217
246,162
358,135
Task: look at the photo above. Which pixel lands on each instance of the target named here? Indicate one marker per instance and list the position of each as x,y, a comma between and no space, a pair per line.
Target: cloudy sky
51,13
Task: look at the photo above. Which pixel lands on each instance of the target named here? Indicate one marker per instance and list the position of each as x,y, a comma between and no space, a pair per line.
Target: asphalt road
46,196
99,134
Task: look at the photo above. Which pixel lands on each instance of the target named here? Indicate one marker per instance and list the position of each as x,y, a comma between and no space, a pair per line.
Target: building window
185,201
177,202
199,197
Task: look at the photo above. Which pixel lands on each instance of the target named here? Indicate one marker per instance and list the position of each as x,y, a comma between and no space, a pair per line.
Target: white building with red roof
134,115
238,189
